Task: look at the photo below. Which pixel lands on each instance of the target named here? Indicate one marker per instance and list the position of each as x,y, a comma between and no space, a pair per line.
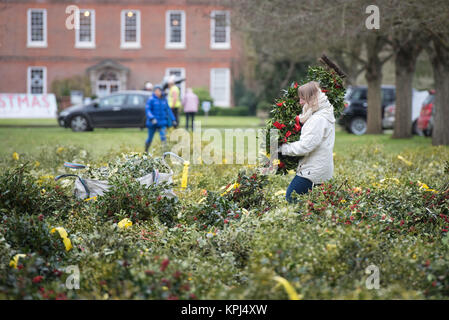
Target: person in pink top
190,103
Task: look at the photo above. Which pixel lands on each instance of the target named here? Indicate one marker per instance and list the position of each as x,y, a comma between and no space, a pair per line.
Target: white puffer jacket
316,144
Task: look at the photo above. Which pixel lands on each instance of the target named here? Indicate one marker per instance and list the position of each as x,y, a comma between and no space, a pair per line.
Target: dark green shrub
249,194
21,192
214,211
31,234
128,198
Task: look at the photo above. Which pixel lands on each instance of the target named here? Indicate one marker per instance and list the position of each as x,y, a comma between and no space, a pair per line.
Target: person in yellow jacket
174,99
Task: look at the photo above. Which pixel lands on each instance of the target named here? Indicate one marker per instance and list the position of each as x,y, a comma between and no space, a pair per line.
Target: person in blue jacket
159,117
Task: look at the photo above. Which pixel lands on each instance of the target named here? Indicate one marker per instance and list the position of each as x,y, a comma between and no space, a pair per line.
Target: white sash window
37,28
130,30
37,80
85,35
220,30
175,29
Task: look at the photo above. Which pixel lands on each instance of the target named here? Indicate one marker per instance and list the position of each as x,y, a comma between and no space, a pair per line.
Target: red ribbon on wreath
297,125
288,134
279,125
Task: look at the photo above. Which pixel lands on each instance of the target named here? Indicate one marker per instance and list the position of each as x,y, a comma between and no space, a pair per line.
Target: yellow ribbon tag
62,232
425,187
404,160
125,223
67,244
232,186
185,174
292,295
64,236
15,261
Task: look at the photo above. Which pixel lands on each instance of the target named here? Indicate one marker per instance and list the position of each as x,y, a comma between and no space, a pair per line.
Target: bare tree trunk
374,112
402,122
291,68
439,56
440,133
373,77
405,62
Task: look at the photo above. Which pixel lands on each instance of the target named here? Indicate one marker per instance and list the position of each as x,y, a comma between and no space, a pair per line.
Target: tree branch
328,62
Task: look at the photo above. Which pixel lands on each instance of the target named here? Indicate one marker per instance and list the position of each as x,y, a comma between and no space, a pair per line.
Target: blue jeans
300,185
152,130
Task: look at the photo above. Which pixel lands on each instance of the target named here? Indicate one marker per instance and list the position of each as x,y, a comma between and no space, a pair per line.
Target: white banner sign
20,105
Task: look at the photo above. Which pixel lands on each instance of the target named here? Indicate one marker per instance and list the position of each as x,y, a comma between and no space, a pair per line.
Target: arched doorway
107,77
107,83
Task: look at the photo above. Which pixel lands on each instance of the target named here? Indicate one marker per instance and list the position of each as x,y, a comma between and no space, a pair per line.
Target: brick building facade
119,44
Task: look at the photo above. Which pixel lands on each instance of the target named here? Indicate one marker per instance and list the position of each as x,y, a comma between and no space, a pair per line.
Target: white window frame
227,102
44,89
183,75
30,42
220,45
85,44
175,45
123,43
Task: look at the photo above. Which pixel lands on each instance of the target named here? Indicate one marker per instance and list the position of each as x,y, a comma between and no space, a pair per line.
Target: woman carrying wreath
316,143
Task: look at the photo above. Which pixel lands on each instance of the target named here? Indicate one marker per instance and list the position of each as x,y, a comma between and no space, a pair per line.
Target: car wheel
79,123
358,126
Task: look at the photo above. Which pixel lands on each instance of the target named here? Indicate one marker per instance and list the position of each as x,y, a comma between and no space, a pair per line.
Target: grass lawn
30,135
215,121
47,122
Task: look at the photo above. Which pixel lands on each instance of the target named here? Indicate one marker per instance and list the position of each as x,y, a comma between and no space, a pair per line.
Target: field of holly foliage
230,234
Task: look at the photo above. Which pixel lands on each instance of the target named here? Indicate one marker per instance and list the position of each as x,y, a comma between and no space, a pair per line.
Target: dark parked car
353,117
122,109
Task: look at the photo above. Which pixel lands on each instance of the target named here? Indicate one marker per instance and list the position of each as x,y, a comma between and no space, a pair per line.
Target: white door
107,83
105,87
